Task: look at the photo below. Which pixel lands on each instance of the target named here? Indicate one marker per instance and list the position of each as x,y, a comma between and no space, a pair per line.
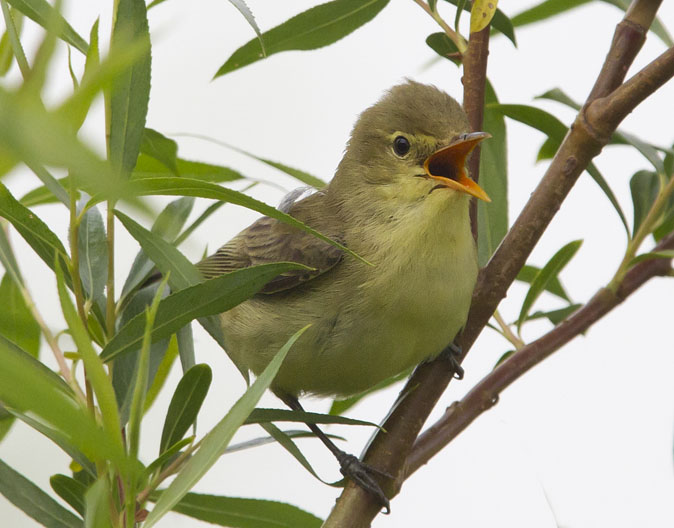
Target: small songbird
399,199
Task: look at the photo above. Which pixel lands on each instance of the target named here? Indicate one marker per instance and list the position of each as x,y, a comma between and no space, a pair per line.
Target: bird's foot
362,475
453,354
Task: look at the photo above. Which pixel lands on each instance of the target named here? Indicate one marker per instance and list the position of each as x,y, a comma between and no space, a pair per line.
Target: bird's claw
362,475
453,354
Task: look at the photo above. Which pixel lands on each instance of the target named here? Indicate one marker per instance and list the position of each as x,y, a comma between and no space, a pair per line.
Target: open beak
448,165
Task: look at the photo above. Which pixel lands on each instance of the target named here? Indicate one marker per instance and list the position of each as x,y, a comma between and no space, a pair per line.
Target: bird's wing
269,240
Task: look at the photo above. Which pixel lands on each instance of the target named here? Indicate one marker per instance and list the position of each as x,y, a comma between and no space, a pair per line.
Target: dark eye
401,146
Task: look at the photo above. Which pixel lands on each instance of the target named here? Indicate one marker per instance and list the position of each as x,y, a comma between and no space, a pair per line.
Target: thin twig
457,39
507,332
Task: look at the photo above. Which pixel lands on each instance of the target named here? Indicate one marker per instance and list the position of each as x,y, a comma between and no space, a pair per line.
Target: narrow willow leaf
167,456
548,272
314,28
97,504
264,440
652,255
481,14
34,502
125,368
43,13
555,316
441,44
16,320
6,52
215,442
557,94
96,374
161,148
189,187
130,92
59,439
340,406
286,415
647,150
210,297
644,186
492,218
167,225
33,230
161,376
6,421
528,273
287,443
248,15
185,341
93,252
70,490
185,404
149,167
244,513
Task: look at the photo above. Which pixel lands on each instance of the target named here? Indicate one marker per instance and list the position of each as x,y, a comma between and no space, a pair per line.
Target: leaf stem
507,332
453,35
110,307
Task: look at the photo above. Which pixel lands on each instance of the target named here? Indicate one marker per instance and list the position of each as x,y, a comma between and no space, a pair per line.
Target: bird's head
410,146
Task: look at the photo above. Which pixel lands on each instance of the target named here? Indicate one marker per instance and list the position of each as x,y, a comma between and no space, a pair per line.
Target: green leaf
185,404
245,513
647,150
125,368
167,225
558,95
652,255
551,269
163,371
644,186
148,167
33,230
93,252
44,14
96,374
34,502
286,442
185,341
544,10
441,44
264,440
16,320
6,52
58,438
286,415
210,297
167,456
130,92
492,218
216,441
555,316
528,273
314,28
97,504
189,187
161,148
70,490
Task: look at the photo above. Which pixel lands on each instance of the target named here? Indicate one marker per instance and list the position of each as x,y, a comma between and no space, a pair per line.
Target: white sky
583,440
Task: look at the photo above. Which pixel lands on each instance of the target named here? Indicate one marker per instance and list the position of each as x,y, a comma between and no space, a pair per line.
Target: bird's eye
401,146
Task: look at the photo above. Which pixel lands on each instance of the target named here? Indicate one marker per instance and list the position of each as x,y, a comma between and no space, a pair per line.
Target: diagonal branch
485,394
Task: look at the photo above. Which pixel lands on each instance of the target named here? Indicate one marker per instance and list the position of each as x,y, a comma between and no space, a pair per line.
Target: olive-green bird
400,200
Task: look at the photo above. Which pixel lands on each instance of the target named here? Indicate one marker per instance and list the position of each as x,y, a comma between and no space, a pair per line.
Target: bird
400,200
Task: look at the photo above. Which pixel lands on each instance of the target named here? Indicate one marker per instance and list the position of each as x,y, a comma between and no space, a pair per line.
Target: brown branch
388,451
474,81
356,508
483,396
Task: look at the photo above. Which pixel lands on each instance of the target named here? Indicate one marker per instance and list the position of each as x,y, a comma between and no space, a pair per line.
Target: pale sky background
583,440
